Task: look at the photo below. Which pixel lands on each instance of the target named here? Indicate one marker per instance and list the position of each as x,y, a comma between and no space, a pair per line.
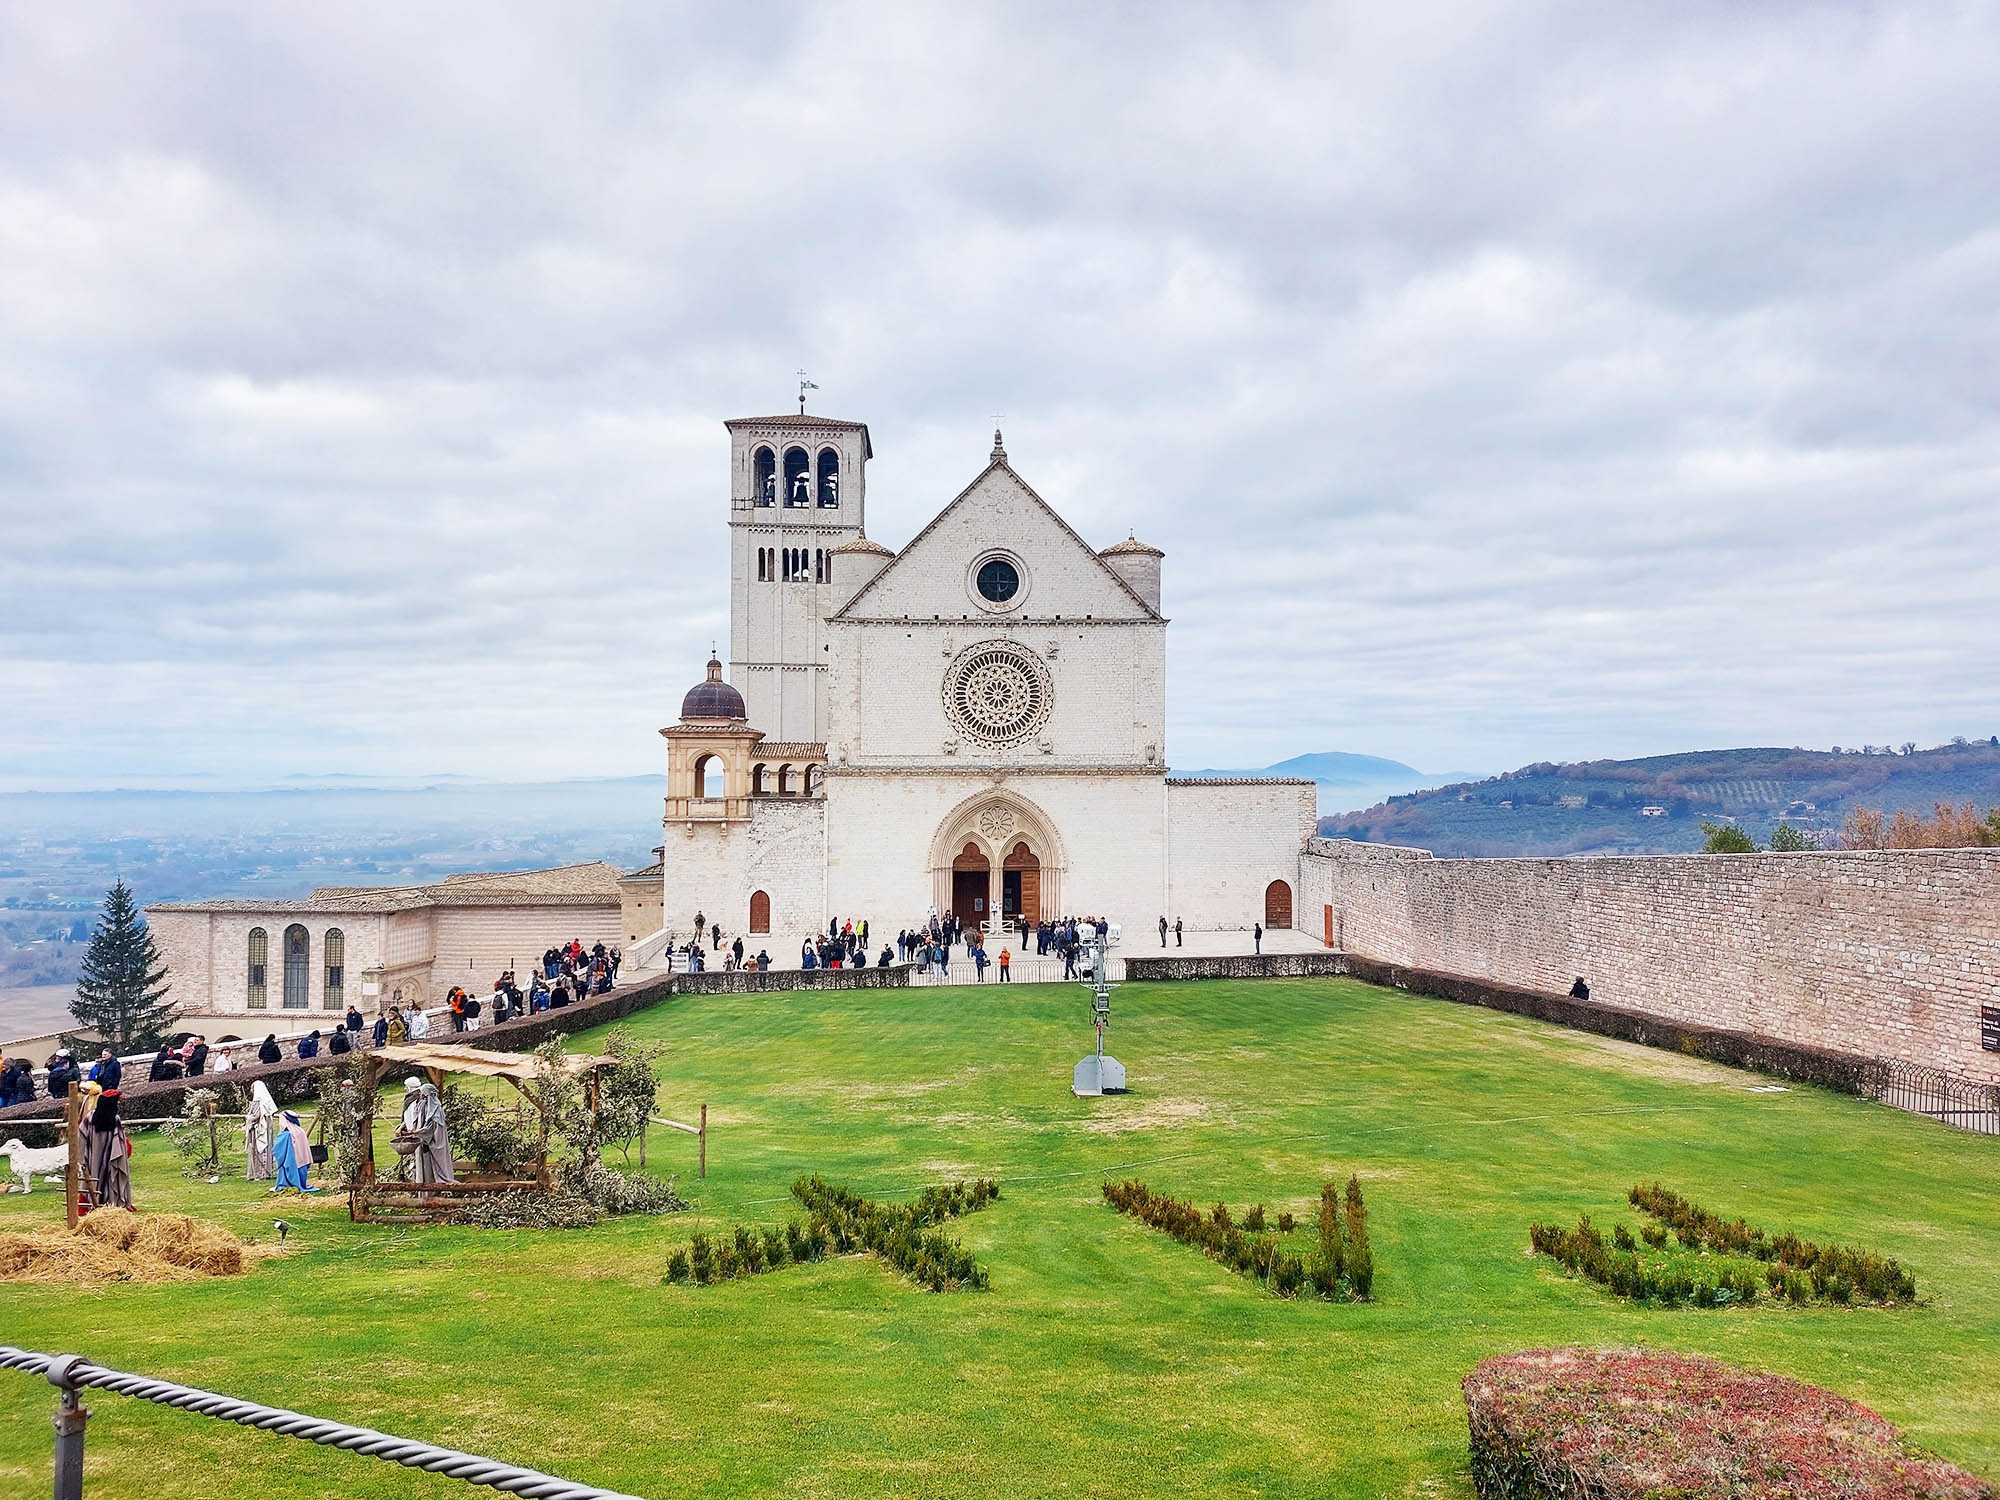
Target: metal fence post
71,1416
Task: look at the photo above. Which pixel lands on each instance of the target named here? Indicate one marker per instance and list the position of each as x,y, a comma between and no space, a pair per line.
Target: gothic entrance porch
996,858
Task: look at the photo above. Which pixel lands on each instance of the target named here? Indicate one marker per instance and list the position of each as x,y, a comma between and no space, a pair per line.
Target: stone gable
998,512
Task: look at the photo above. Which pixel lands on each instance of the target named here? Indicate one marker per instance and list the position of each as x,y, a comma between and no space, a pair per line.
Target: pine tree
121,993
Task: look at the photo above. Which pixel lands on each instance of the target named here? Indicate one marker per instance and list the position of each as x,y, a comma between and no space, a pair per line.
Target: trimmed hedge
1612,1424
1339,1267
1794,1269
842,1222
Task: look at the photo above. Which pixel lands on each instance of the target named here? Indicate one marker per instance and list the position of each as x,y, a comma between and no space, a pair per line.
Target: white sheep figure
24,1162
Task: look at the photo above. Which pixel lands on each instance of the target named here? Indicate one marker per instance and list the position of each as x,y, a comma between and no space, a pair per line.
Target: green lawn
1106,1359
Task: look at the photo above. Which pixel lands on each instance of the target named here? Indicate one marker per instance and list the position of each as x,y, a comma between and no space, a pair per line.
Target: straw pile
114,1244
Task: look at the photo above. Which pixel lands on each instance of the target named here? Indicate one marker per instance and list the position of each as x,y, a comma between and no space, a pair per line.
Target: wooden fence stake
704,1138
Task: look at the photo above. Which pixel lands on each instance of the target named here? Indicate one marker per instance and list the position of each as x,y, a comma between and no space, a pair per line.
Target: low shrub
1793,1269
1330,1267
843,1221
1622,1424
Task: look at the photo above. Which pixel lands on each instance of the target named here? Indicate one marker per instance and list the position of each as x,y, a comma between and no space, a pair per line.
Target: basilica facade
974,724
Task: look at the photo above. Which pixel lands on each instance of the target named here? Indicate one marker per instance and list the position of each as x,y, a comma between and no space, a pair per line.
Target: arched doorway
1277,904
1021,883
971,874
298,968
760,912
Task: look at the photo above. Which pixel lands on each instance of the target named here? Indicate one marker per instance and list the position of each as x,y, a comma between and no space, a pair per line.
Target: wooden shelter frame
407,1201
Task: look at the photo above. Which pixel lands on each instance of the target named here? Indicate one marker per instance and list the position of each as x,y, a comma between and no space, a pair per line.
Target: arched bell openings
829,478
798,477
708,777
764,477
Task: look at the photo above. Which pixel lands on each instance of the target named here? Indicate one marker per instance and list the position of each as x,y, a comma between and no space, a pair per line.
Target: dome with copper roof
714,698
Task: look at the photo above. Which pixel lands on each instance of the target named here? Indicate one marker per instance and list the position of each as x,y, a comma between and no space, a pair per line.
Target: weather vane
804,386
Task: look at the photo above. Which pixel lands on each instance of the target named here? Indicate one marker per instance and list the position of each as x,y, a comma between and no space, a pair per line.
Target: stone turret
1139,565
855,564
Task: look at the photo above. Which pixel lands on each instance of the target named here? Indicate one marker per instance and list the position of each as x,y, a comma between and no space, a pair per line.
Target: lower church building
974,725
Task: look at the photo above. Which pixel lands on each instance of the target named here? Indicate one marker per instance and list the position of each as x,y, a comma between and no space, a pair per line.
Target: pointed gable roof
883,583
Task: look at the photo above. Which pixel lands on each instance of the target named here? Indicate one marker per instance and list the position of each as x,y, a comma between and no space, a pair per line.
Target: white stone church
975,724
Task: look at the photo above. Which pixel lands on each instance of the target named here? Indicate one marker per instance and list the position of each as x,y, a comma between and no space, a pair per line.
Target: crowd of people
566,974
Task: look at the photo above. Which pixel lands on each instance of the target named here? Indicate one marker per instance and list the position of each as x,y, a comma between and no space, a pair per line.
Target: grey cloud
1504,382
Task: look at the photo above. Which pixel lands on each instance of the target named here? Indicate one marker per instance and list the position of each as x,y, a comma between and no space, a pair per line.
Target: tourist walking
1005,959
1257,935
270,1052
1177,932
1163,932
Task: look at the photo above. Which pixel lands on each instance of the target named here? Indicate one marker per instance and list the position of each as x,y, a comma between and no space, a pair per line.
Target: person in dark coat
353,1019
270,1052
165,1066
1579,990
338,1045
381,1029
309,1044
197,1059
109,1071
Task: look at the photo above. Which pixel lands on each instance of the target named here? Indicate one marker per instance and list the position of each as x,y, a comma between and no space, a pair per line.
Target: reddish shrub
1610,1424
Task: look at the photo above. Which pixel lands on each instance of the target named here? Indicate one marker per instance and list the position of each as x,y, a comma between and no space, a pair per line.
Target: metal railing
1023,968
72,1374
1937,1095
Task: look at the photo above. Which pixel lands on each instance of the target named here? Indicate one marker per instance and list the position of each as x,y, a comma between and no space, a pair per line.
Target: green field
1106,1359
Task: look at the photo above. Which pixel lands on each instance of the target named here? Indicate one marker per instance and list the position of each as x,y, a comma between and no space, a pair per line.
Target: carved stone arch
997,820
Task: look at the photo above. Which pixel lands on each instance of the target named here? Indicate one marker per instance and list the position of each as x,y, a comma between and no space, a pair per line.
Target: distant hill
1345,780
1601,807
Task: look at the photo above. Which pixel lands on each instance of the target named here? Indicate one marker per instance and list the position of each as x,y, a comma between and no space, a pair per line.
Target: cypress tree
1360,1258
121,992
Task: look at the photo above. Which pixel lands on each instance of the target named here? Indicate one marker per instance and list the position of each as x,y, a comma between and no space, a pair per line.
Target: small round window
998,580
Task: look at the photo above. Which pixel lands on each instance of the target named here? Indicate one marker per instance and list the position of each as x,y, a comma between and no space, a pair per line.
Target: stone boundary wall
1237,966
293,1081
1869,953
718,982
1835,1070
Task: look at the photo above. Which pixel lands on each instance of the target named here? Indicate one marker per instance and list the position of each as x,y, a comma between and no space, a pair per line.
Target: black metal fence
1936,1094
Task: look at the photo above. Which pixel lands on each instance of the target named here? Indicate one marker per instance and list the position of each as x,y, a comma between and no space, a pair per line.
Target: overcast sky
1504,383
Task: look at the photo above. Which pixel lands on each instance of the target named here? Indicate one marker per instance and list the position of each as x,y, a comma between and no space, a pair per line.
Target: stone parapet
1236,966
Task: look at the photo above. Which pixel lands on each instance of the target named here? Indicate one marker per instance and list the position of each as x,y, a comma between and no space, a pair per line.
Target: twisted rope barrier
70,1372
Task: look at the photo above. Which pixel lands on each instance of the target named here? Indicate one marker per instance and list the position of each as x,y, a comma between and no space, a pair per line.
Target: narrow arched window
760,779
764,477
760,564
298,968
258,975
334,958
708,780
798,477
819,565
829,478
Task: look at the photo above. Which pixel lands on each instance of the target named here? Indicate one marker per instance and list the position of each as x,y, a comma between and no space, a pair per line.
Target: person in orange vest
1005,959
457,1008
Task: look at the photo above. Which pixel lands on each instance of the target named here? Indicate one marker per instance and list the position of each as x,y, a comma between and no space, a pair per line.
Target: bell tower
797,488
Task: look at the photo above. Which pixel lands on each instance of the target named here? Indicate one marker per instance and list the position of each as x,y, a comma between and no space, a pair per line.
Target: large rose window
997,693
